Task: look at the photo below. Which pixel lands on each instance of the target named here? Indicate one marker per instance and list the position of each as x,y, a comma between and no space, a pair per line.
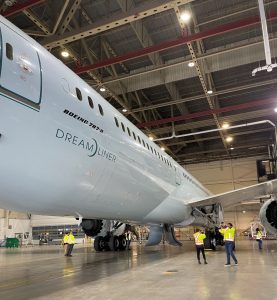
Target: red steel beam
20,6
207,112
175,43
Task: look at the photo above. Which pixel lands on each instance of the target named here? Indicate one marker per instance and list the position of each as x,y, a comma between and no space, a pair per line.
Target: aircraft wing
257,191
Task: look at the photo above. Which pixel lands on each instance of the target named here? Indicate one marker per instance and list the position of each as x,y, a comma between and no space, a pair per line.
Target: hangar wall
12,223
226,175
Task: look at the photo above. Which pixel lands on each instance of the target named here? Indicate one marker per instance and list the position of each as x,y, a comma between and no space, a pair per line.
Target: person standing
128,237
65,242
229,237
71,242
259,239
199,244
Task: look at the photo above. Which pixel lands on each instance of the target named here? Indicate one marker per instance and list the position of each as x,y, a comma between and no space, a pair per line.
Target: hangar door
20,69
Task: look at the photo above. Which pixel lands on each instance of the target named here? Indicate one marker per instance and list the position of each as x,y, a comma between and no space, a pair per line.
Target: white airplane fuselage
59,156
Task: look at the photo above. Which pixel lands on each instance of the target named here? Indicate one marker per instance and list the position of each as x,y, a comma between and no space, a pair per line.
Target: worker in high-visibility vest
259,238
71,242
199,244
65,242
228,233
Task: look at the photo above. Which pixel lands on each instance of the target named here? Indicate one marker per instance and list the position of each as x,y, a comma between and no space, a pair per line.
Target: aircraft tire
113,243
99,244
122,242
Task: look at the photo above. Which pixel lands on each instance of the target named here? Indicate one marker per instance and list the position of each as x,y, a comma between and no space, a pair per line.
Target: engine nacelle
268,215
92,227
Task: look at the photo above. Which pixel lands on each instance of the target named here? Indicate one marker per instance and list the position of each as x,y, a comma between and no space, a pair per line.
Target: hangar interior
191,75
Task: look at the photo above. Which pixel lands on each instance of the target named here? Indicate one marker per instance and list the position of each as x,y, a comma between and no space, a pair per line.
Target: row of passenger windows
195,183
90,101
141,141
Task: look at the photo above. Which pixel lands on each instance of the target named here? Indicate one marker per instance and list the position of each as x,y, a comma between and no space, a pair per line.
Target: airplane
65,151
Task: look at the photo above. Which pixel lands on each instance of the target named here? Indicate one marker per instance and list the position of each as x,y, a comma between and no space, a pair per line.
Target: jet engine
268,215
92,227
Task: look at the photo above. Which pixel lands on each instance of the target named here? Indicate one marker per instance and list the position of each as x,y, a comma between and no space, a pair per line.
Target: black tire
99,244
113,243
209,242
122,242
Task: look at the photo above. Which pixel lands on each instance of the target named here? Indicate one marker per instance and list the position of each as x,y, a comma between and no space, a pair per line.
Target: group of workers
228,232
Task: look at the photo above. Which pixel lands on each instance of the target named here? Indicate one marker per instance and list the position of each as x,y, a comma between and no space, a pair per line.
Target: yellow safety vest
71,239
199,238
228,233
259,235
65,239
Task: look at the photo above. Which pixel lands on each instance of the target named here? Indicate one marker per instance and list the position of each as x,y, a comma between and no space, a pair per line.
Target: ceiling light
275,109
185,16
162,148
151,138
229,139
191,64
232,148
124,110
225,125
64,53
102,89
244,211
209,92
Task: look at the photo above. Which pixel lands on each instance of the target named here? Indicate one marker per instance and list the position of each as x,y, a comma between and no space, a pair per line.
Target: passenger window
155,151
123,127
101,110
90,102
139,140
129,132
9,51
147,146
151,149
143,143
79,94
116,121
134,136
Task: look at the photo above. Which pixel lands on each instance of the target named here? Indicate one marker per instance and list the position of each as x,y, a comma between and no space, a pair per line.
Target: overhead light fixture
191,64
185,16
232,148
151,138
225,125
209,92
162,148
244,211
229,139
124,110
64,53
102,89
275,109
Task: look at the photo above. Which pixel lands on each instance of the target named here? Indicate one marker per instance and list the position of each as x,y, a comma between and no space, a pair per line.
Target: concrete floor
162,272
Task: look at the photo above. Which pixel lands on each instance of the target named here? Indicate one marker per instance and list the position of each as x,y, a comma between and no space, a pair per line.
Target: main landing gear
110,242
109,235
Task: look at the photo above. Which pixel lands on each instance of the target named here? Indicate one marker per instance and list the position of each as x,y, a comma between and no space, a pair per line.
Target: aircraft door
20,77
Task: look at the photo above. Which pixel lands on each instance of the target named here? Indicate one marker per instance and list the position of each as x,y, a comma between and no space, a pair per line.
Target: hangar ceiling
139,51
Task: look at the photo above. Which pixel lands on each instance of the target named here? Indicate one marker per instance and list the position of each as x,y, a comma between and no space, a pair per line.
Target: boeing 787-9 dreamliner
65,151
